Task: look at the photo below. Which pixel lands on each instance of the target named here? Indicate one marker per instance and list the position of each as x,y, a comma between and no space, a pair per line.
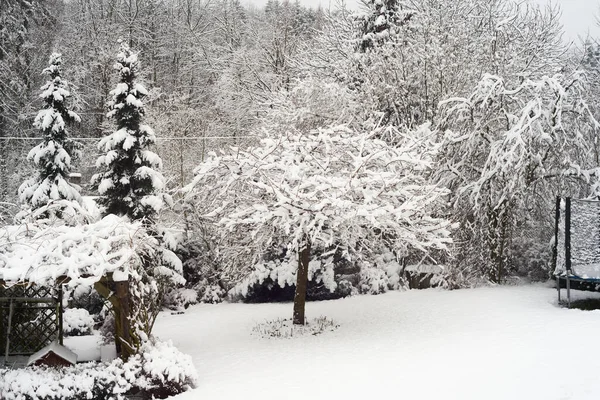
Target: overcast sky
578,16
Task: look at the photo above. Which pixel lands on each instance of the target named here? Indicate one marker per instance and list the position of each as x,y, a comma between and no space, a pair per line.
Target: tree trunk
301,283
122,323
122,309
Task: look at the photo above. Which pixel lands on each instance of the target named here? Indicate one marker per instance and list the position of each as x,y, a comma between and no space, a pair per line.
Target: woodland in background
505,111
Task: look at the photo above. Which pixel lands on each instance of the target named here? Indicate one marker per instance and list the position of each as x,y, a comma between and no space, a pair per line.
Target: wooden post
59,314
10,316
301,283
122,323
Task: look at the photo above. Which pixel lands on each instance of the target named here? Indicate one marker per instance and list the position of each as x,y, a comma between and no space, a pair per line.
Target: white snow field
489,343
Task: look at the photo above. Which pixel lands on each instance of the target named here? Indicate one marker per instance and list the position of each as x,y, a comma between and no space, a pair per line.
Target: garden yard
490,343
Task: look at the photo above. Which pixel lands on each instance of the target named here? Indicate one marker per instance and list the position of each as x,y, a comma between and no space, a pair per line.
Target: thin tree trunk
122,323
301,284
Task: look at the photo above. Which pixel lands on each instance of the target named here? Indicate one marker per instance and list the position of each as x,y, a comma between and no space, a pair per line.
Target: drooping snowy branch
41,253
502,140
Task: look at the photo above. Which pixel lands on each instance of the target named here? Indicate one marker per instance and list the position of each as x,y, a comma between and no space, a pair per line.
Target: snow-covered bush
373,280
158,371
178,298
77,322
284,328
85,297
212,294
283,273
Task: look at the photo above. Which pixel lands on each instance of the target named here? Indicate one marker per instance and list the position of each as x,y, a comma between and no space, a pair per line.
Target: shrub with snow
178,298
284,328
158,371
213,294
283,272
77,322
373,280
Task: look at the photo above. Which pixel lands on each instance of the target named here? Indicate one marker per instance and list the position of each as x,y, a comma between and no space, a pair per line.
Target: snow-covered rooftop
57,349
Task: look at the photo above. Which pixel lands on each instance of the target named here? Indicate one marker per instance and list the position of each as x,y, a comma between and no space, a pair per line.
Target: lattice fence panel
35,318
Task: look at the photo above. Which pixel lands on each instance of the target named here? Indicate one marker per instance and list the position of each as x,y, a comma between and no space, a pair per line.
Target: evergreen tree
53,156
129,182
381,21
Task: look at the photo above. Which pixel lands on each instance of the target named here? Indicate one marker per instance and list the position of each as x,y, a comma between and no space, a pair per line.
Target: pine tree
129,182
53,156
381,22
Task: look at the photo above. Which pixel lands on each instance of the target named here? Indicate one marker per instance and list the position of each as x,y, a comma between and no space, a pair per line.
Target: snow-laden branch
40,253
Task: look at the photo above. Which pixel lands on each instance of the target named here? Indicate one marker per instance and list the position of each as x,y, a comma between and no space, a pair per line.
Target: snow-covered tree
508,150
130,182
381,21
53,156
327,188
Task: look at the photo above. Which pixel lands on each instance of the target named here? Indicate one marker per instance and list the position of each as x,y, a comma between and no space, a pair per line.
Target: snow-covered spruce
130,182
380,21
329,188
159,371
53,156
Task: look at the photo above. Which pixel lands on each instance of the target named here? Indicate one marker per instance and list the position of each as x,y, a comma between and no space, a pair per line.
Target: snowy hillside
491,343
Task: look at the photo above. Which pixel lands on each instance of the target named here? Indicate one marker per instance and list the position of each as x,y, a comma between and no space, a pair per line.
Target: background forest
491,113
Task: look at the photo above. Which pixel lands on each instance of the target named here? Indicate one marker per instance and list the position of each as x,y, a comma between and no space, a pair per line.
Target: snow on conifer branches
129,182
330,186
53,156
380,21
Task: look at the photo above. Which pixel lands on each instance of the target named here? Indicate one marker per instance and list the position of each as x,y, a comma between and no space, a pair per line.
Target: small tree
129,182
331,187
53,156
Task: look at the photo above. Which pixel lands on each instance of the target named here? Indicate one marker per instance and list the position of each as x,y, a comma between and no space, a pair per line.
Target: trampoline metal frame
568,274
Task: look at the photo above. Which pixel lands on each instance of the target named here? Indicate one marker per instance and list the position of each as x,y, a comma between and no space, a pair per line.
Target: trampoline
576,252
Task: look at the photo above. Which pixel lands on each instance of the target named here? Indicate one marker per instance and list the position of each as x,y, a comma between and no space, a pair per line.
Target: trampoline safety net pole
555,247
568,247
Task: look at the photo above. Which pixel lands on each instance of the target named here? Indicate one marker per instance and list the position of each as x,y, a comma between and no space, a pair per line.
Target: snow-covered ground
488,343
